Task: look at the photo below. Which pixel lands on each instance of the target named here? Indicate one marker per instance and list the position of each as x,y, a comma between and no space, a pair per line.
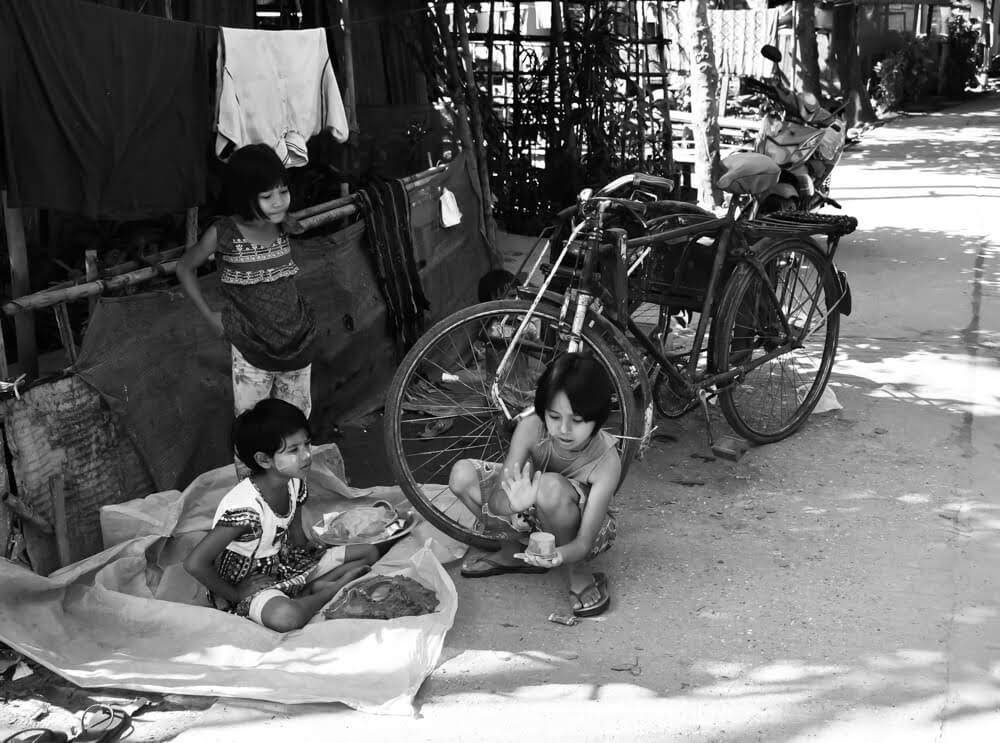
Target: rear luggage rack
804,223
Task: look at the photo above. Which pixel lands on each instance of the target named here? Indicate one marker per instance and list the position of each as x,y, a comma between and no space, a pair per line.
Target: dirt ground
840,585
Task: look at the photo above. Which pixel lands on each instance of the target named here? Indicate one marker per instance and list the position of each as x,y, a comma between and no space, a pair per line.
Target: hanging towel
105,113
386,209
278,88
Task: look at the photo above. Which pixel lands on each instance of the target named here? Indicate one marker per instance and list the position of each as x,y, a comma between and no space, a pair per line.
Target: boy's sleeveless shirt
265,317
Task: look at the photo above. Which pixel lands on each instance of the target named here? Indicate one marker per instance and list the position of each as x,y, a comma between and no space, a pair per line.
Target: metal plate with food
374,524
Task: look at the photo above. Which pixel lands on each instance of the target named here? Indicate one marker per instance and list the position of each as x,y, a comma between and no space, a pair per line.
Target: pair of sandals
98,724
599,583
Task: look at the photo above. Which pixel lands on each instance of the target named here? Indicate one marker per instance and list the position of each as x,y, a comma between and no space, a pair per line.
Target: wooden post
20,285
57,489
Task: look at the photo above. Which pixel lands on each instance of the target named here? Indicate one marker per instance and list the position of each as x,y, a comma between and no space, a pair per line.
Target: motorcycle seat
748,173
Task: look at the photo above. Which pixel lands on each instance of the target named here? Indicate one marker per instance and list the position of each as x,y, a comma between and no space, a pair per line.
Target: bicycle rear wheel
439,409
781,375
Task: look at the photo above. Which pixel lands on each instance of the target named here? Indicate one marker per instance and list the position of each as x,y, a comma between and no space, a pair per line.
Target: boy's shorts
525,522
252,607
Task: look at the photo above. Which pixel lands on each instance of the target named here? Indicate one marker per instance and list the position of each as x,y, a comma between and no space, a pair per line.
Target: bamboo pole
309,218
326,206
410,182
479,146
333,215
454,84
17,249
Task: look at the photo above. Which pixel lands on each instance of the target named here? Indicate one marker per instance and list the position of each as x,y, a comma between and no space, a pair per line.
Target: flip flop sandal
37,735
103,724
600,606
497,568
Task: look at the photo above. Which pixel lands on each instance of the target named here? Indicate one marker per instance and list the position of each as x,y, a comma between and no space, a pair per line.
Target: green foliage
591,118
909,72
960,70
570,125
905,75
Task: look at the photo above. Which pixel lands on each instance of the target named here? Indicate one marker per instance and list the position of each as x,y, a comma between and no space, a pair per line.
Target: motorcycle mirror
771,52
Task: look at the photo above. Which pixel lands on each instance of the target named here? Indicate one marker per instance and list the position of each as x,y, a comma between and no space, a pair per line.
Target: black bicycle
621,270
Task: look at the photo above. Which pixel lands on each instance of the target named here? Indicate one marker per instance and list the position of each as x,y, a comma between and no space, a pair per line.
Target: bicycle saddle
748,173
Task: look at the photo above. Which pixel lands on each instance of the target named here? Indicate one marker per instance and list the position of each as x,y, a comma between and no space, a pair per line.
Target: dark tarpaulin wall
154,361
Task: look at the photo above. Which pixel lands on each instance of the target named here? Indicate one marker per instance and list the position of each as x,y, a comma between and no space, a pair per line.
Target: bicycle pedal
730,447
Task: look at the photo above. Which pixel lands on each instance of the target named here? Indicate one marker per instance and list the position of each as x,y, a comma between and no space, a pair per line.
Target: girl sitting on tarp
256,561
268,323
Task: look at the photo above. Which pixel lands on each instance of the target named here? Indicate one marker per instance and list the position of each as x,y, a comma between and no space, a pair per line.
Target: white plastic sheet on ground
131,617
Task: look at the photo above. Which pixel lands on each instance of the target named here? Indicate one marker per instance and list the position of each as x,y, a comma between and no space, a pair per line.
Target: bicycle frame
724,229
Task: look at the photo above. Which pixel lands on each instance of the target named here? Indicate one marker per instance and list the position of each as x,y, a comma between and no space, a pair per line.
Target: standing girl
267,322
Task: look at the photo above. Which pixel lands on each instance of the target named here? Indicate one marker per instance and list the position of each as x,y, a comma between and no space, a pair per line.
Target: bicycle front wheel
782,370
440,409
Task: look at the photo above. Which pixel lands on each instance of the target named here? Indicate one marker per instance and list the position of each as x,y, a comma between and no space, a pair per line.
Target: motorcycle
803,137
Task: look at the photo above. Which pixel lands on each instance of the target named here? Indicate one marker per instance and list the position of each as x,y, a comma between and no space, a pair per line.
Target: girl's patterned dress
263,550
267,321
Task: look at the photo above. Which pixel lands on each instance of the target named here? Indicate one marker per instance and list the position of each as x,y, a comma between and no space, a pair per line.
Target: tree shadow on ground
950,142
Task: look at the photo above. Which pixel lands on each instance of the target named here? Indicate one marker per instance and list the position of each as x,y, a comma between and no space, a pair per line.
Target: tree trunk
805,31
845,42
704,82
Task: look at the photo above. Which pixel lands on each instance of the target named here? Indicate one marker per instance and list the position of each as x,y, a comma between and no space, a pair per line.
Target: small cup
542,544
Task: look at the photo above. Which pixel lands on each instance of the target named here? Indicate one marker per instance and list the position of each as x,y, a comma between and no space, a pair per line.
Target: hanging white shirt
278,88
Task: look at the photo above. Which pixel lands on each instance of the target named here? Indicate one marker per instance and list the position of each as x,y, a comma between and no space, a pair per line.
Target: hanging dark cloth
385,206
105,113
228,13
